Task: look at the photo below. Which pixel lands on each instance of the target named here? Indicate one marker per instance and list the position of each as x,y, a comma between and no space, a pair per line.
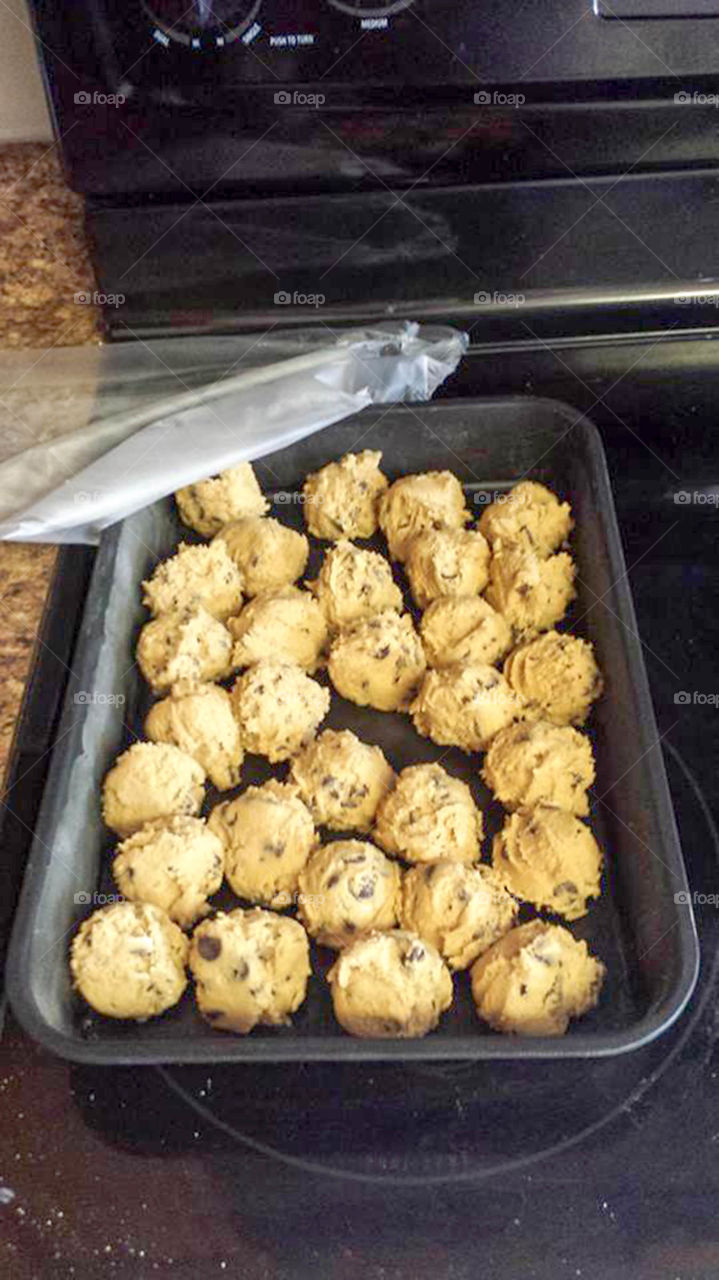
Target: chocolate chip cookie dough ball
558,677
151,780
278,708
379,662
540,763
267,554
413,504
250,968
195,576
535,979
187,645
549,858
128,961
198,719
461,910
231,495
174,863
429,816
348,888
267,835
464,706
446,562
529,516
464,629
285,624
354,584
533,594
390,985
342,780
340,501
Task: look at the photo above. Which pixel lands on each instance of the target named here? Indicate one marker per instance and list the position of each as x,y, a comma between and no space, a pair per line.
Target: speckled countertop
43,263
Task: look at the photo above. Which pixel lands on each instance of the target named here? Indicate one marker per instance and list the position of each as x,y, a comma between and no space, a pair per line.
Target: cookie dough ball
446,562
187,645
200,575
432,500
354,584
529,516
231,495
348,888
465,706
267,554
285,624
342,780
378,663
461,910
557,676
464,629
390,985
250,968
198,718
540,763
533,594
278,708
549,858
340,501
429,816
128,961
151,780
535,979
267,834
174,863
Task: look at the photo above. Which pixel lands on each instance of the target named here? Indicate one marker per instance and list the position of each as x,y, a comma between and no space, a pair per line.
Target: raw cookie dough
535,979
429,816
354,584
250,968
461,910
342,780
278,708
198,718
285,624
557,675
151,780
128,961
446,562
232,495
465,706
348,888
540,763
532,593
464,629
187,645
267,835
431,500
340,501
379,662
195,576
267,554
390,985
175,863
549,858
528,516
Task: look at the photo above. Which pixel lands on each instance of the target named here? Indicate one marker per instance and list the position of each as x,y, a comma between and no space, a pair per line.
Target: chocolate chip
383,652
414,954
333,880
241,972
366,890
209,948
523,989
350,926
523,590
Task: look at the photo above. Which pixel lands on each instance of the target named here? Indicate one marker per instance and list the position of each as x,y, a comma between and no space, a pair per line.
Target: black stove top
606,1169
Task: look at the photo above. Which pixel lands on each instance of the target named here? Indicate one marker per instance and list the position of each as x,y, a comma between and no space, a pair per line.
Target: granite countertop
43,263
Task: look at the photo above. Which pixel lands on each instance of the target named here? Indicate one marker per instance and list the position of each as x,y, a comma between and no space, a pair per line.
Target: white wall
23,113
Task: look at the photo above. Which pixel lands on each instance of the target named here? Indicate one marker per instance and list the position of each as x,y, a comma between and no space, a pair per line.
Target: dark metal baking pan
643,933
